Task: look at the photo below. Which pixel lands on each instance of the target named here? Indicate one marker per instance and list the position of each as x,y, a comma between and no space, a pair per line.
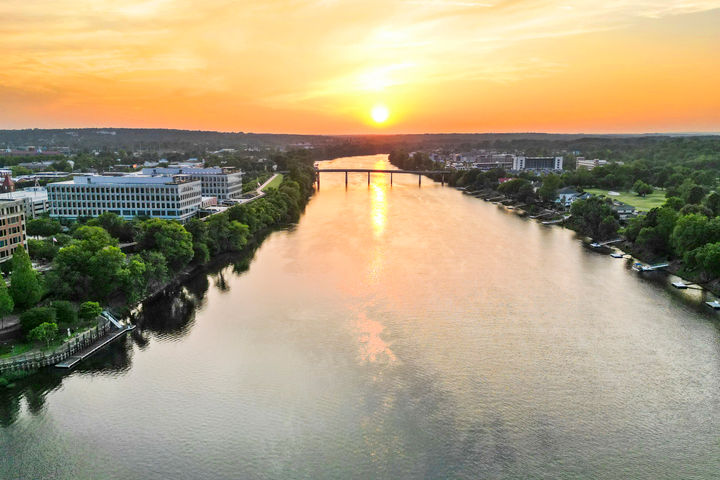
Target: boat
617,255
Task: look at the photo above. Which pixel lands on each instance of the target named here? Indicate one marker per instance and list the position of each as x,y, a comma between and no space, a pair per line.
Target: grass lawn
275,182
655,199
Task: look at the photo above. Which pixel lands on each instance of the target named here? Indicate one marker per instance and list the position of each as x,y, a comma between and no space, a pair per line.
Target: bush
34,317
89,310
65,312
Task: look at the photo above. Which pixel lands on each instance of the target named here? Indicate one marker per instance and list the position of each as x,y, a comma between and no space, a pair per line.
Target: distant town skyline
339,67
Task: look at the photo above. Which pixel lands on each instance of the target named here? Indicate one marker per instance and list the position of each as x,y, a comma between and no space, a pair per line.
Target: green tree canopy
168,237
45,332
25,286
89,310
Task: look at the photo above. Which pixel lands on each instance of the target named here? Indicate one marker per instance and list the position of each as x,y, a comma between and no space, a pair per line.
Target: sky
324,66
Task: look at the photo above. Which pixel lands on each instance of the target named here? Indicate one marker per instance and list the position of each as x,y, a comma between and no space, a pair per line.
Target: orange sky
320,66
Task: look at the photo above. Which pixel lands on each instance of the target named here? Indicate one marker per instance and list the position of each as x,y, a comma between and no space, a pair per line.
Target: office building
175,197
538,164
35,200
216,182
12,228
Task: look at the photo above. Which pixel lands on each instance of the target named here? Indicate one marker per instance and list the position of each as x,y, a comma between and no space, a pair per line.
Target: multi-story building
538,164
35,200
175,197
494,160
216,182
582,162
12,227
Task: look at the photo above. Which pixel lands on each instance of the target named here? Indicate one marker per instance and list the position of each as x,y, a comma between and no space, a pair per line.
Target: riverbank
552,217
280,201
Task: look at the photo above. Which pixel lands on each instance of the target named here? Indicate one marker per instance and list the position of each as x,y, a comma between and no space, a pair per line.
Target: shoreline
675,267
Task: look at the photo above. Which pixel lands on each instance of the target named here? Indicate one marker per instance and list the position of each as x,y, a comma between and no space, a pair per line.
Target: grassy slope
275,182
655,199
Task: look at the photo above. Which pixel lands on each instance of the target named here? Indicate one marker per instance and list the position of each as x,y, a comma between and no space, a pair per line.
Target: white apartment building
12,228
216,182
171,197
538,164
35,200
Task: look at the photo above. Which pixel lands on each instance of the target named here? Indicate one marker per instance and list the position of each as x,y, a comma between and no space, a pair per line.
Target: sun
380,113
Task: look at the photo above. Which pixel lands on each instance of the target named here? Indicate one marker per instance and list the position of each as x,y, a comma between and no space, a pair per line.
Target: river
395,332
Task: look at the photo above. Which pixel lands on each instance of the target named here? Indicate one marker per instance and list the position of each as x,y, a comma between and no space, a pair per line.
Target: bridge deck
375,170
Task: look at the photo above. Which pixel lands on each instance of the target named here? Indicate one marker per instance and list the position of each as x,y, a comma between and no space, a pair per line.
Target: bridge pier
419,180
317,176
346,173
391,179
368,179
442,180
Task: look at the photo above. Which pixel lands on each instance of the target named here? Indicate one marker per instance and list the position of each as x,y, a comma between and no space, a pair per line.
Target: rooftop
123,180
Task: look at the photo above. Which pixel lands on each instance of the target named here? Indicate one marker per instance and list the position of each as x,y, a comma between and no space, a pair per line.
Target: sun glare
380,113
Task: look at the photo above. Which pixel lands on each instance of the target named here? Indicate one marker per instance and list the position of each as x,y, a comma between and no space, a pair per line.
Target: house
623,210
568,195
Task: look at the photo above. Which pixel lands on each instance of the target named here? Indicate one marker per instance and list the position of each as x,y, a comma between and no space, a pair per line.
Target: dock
555,222
641,267
603,244
715,305
73,360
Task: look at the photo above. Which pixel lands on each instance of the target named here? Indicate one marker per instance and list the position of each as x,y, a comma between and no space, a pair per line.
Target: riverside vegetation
89,269
684,230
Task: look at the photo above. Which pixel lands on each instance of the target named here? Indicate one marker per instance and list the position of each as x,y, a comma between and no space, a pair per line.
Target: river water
395,332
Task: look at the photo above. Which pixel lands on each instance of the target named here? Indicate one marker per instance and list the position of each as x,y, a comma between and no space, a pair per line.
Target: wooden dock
73,360
715,305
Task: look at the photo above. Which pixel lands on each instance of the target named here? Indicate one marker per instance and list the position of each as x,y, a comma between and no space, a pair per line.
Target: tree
168,237
713,203
199,231
642,188
707,258
25,286
694,194
548,190
608,228
6,302
43,227
33,317
89,310
45,332
65,312
693,231
42,249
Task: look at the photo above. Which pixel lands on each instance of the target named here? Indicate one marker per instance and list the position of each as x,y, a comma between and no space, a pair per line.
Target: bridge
346,171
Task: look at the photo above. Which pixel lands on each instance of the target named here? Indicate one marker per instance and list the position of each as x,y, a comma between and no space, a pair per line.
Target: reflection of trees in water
169,315
33,389
113,360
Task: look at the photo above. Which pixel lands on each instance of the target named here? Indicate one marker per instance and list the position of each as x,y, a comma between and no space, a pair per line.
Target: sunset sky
326,66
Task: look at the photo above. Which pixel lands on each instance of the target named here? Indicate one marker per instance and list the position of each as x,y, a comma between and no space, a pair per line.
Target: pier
641,267
604,244
73,360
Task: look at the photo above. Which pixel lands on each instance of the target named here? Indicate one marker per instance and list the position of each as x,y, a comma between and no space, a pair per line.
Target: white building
35,200
538,164
171,197
216,182
582,162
